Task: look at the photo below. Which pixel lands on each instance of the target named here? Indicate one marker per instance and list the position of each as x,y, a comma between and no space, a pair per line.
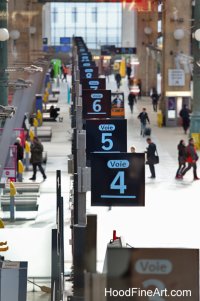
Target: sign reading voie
106,136
96,104
94,83
176,77
117,179
88,72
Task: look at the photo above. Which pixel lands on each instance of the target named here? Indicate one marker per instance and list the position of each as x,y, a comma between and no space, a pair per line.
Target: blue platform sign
106,136
96,104
118,179
65,40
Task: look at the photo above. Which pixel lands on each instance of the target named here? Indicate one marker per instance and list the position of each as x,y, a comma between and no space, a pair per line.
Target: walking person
131,101
155,98
20,152
118,79
144,118
36,158
152,157
181,158
191,159
128,71
185,115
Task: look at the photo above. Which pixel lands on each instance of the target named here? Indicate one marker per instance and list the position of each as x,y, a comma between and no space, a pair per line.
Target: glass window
97,23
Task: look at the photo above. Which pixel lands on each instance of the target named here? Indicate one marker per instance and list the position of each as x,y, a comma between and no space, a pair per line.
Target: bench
55,91
23,187
25,204
44,133
52,99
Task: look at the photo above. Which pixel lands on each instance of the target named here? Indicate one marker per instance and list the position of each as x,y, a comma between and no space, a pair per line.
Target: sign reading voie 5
106,136
96,104
117,179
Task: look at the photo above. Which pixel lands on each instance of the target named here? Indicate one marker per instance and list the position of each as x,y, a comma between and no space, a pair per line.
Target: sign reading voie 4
106,136
96,104
117,179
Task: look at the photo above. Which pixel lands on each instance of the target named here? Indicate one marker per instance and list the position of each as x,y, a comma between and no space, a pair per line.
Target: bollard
39,117
12,201
159,119
1,224
31,135
27,151
35,124
20,171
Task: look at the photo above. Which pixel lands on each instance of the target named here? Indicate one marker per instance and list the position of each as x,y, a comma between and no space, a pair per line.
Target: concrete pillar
128,27
195,120
176,15
3,52
46,25
147,33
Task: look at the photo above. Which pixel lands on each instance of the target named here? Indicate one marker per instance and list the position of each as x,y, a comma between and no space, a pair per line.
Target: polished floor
169,219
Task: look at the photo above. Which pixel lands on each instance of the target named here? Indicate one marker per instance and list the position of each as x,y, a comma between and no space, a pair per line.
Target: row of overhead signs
117,177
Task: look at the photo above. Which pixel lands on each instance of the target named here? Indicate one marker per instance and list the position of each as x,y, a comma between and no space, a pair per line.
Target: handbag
156,158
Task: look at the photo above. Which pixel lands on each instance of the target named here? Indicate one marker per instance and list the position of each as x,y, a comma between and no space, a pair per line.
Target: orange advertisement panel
117,105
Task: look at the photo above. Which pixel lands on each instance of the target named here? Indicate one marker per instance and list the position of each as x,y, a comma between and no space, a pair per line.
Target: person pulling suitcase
144,118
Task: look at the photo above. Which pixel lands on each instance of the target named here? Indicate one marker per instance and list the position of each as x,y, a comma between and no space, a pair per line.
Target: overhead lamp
14,34
179,34
32,30
148,30
197,35
4,34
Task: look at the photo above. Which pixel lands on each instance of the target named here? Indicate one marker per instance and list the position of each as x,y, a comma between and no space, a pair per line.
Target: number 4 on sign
120,179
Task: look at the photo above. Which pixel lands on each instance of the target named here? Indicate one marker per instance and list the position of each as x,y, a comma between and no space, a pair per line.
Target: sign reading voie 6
117,179
106,136
96,104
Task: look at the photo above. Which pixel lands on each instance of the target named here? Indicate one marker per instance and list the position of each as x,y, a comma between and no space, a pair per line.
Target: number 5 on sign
119,178
105,139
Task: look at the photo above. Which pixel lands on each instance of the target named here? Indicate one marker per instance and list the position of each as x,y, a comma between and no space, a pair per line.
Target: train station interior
99,148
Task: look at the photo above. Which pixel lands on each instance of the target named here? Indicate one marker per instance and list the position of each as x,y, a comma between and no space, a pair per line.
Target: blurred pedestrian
155,98
132,149
191,159
151,157
20,150
144,118
181,158
185,115
54,112
131,101
118,79
36,158
128,71
52,74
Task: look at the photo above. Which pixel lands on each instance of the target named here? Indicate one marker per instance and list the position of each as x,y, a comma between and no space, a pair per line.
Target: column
128,26
3,53
195,119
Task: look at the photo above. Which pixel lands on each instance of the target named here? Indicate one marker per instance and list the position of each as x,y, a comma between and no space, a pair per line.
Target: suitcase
147,132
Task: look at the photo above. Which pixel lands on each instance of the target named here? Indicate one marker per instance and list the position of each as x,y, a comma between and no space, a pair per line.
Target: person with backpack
191,159
181,158
144,118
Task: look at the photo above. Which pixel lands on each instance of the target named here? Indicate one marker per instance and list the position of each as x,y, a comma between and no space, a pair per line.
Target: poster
117,105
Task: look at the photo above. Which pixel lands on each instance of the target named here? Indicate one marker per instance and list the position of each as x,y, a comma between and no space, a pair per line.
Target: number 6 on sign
96,105
121,186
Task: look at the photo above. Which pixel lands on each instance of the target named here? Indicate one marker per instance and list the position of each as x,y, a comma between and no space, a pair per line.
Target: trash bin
13,280
159,119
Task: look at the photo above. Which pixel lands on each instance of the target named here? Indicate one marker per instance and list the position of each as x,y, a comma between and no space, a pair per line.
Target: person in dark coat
155,98
181,158
53,112
118,79
131,101
128,71
36,158
185,115
20,150
191,159
143,116
151,154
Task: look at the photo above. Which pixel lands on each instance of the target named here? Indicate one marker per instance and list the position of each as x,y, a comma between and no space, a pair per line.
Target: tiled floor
171,215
